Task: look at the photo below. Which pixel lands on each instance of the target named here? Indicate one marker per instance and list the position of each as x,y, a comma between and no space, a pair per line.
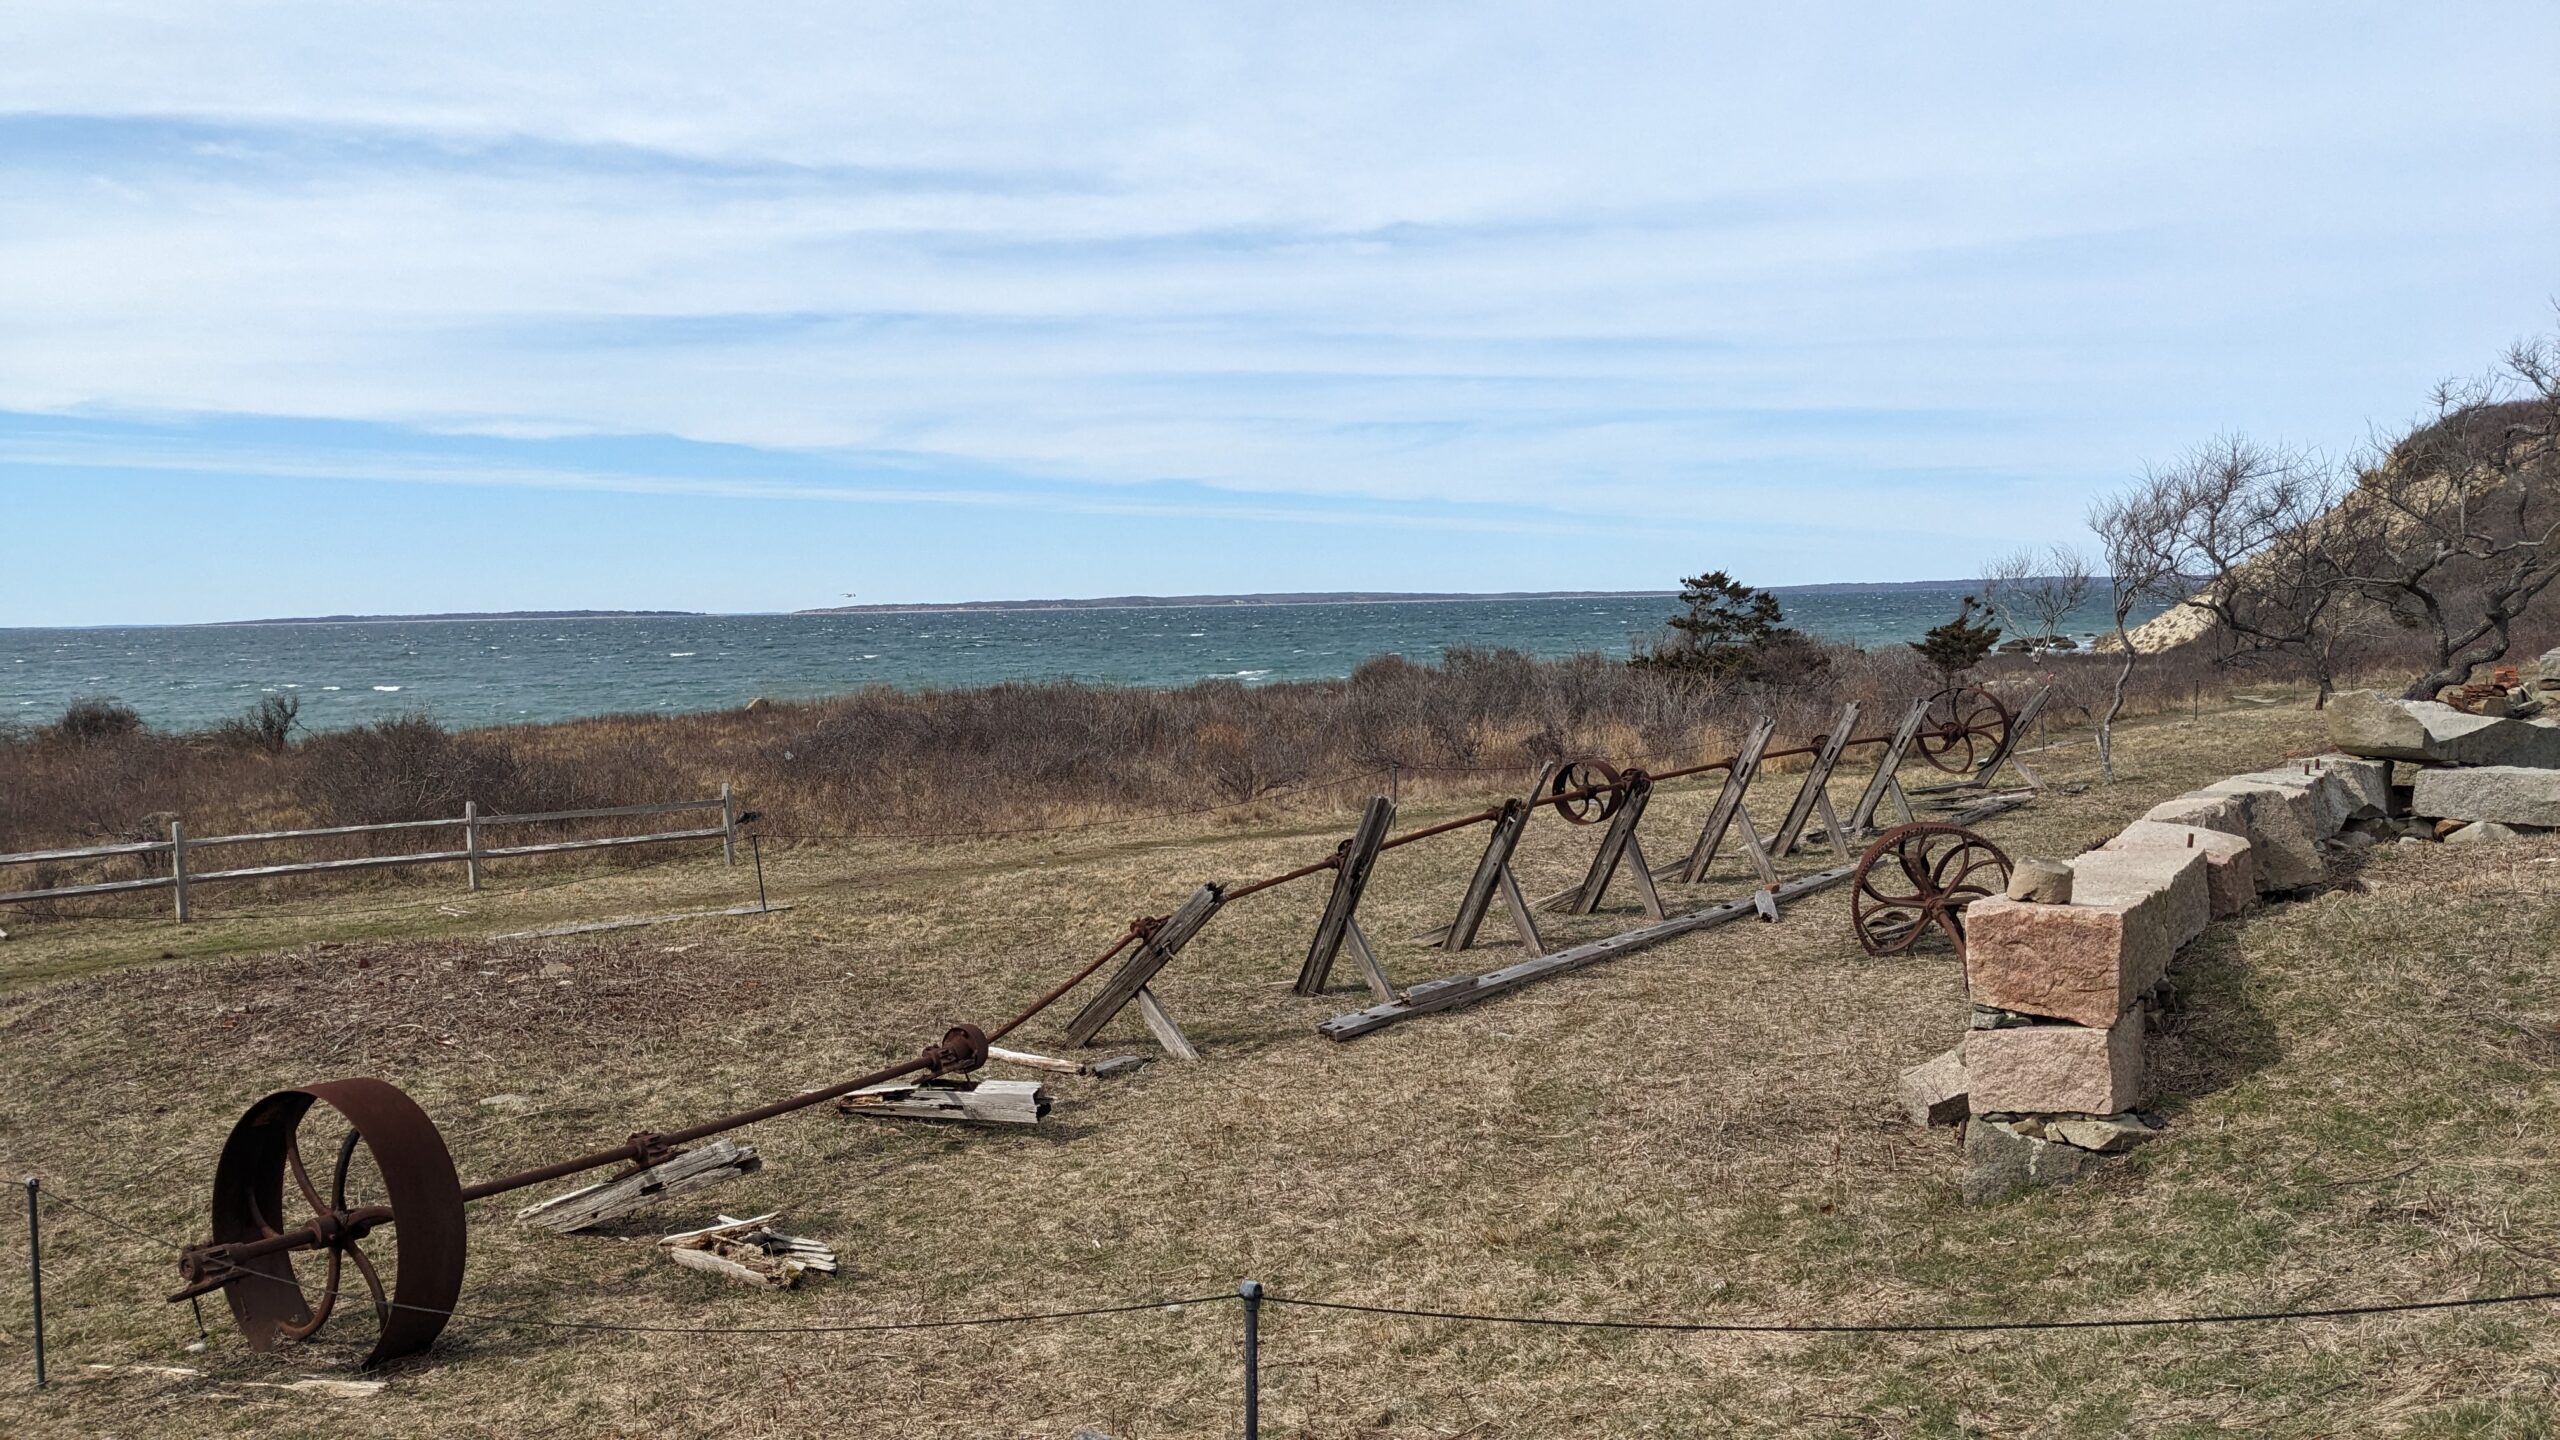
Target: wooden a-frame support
1493,877
1815,793
1131,982
1728,810
2016,740
1618,843
1340,926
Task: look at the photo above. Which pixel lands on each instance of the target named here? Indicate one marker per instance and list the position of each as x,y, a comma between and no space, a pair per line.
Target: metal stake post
35,1275
1251,1292
755,844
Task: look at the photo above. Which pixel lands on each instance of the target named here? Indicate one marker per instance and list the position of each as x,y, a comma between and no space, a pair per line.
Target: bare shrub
95,720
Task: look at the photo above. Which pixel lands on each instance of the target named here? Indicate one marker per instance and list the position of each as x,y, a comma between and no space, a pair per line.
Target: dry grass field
2359,1090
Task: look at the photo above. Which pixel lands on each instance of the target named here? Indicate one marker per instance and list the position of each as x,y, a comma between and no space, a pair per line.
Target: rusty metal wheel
1964,726
390,1170
1933,872
1590,790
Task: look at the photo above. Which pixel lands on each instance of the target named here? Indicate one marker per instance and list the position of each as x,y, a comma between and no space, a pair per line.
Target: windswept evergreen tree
1961,643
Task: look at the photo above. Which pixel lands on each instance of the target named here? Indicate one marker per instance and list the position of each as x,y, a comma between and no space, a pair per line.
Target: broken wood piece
983,1102
714,1163
749,1252
1120,1065
1030,1061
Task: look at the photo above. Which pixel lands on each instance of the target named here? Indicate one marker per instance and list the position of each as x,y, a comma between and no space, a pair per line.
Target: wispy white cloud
1699,265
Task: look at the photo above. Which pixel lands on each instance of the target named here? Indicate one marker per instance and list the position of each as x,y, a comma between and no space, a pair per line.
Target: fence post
178,866
471,844
1251,1292
35,1276
728,827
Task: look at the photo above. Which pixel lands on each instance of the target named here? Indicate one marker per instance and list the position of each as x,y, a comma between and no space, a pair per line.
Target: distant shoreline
960,607
1346,597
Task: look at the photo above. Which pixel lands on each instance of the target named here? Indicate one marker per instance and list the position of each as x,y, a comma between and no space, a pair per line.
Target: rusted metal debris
1916,880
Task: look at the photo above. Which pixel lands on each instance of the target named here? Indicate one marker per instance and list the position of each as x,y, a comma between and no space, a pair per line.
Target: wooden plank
1030,1061
979,1102
139,847
601,842
633,922
1462,990
1863,818
102,887
1737,781
1160,1023
1833,741
1831,826
714,1163
1982,810
545,817
255,837
1350,881
1584,897
1153,955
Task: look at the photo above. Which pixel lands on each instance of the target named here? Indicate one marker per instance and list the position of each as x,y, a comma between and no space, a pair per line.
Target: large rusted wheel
1964,726
388,1170
1916,880
1590,790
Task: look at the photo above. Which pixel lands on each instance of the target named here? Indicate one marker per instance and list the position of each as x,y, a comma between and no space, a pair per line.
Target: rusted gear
417,1182
1933,872
963,1048
1590,790
1964,724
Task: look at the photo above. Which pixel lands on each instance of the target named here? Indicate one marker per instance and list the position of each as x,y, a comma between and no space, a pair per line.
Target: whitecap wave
388,689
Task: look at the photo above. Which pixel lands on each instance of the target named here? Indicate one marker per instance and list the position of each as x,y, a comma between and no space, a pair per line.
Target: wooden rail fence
179,877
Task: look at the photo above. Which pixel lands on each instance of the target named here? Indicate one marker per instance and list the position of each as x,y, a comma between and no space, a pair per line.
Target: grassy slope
2358,1088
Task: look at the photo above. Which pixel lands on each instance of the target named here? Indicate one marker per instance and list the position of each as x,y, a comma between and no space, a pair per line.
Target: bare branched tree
2459,524
2137,535
2260,532
2034,591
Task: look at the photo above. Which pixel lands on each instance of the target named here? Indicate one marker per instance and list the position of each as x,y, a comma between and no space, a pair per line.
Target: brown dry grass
2357,1087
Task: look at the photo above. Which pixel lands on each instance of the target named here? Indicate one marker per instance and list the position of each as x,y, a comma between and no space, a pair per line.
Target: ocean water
488,672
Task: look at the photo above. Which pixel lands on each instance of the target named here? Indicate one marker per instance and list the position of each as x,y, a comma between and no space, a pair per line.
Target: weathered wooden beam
1370,970
1815,778
1153,954
1350,882
1737,781
1160,1023
982,1102
1461,990
715,1162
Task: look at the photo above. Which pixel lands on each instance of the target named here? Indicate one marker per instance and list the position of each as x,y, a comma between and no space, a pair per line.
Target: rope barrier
1722,1327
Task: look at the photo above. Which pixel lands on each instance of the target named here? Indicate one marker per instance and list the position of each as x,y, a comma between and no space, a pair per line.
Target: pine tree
1961,643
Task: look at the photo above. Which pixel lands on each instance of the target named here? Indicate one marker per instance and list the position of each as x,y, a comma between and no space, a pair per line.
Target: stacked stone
2064,970
2478,774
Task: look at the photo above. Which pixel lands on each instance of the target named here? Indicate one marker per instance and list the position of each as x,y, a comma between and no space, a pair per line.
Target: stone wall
2063,976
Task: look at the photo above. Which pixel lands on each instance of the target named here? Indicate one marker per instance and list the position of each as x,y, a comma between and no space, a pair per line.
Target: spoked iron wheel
1964,726
1600,778
1916,880
386,1169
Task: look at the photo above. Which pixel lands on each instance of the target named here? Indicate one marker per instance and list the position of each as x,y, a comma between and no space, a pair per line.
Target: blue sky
436,307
